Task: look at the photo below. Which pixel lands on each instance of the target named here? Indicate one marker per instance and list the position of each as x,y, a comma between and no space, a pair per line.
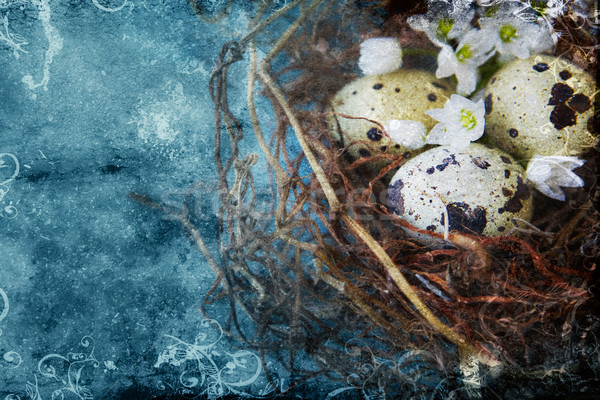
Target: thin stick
289,32
332,199
358,229
281,175
270,19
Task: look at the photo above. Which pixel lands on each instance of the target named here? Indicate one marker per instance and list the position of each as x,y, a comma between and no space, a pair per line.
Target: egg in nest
398,95
476,190
542,105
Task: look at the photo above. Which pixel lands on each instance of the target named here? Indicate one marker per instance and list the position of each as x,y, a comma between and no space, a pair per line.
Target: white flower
547,9
515,36
444,21
407,133
380,56
461,122
549,173
476,47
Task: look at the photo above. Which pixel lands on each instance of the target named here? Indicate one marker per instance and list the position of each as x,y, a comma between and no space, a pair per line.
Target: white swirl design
11,164
66,371
5,306
13,40
215,373
55,44
63,373
12,359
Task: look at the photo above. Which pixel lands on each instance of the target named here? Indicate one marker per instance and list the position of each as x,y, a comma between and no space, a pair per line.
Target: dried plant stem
357,228
335,205
279,172
406,289
278,46
258,27
360,299
469,368
281,177
332,198
316,259
187,224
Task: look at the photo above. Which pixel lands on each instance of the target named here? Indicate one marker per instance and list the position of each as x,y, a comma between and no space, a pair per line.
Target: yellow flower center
464,53
539,6
507,33
467,119
444,27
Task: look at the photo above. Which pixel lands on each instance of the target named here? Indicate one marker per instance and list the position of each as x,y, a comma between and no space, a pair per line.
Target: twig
354,226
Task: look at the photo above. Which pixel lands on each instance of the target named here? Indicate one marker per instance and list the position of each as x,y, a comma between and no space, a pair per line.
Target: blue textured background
95,104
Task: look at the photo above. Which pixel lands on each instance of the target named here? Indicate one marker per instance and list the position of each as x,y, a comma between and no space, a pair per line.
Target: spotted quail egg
398,95
475,190
541,105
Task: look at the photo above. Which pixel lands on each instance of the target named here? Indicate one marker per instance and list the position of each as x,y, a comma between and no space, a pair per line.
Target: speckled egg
480,189
541,105
400,95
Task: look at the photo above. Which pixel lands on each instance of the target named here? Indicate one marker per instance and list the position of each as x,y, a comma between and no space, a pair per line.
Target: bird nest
331,280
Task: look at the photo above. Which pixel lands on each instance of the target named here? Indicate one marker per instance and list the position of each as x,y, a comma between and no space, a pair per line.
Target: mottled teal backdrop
99,294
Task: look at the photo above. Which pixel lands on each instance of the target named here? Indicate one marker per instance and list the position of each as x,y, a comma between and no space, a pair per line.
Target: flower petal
538,172
460,102
461,121
549,173
407,133
444,20
551,191
380,55
562,176
526,35
462,23
518,49
418,22
467,79
440,114
446,62
481,43
437,135
459,143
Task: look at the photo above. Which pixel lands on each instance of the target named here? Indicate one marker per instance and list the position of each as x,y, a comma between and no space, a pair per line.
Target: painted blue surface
100,294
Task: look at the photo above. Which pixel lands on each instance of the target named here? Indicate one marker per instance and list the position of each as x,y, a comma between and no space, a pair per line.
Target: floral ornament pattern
215,373
549,173
13,40
11,358
412,365
5,306
64,375
9,170
380,55
461,122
